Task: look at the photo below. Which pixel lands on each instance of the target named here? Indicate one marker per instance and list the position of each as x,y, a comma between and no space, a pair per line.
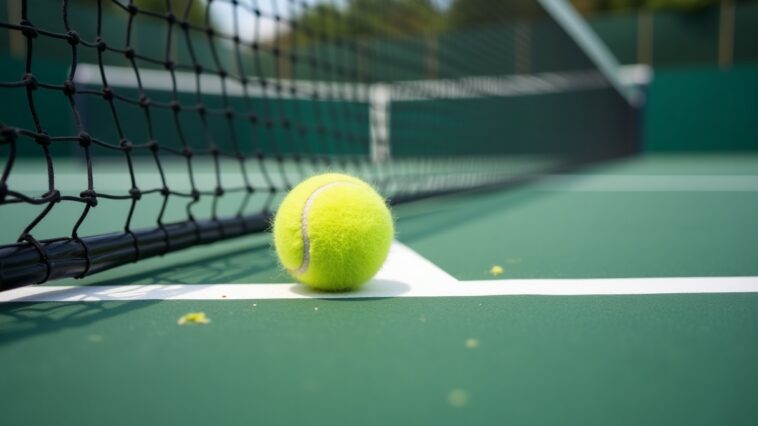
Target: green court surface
683,358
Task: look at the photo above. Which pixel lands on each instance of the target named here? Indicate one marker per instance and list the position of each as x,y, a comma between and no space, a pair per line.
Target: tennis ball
333,232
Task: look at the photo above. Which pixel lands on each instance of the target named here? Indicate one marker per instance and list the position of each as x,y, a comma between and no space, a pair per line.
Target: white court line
649,183
406,274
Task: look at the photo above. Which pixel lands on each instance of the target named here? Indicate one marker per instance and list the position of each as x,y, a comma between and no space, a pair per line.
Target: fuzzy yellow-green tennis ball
333,232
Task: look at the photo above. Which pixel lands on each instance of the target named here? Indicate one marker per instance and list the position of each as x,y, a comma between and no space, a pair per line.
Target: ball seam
305,263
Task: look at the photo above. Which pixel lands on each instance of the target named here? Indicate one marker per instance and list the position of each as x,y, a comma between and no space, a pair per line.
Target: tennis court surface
545,270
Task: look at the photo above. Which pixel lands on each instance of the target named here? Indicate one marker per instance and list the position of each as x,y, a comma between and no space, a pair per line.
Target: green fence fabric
703,109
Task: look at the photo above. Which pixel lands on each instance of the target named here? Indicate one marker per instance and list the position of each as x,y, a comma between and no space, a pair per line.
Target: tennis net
131,129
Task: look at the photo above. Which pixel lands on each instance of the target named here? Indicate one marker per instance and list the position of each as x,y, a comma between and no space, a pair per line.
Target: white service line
648,183
406,274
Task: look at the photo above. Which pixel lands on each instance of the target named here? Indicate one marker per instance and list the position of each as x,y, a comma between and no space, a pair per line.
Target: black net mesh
130,129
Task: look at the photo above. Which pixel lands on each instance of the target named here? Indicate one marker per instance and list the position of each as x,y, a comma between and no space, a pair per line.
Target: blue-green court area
682,357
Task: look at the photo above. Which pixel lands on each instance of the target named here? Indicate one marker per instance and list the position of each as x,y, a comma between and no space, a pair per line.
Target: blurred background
704,53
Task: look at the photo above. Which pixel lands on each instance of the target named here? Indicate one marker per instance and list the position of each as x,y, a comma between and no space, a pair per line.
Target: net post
16,42
726,34
645,37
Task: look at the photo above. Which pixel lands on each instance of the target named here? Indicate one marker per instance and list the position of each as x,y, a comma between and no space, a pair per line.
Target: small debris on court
457,397
194,318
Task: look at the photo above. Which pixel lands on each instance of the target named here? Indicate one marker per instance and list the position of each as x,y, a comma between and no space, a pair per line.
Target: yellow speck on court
194,318
457,397
472,343
496,270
